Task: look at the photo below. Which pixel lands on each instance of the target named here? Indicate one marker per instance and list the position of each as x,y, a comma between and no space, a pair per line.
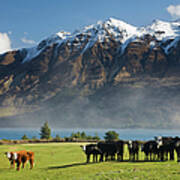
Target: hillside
110,74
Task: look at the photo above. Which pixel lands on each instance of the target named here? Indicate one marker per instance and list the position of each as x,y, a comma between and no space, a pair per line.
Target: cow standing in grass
177,147
20,157
91,149
120,149
108,149
166,146
150,150
133,147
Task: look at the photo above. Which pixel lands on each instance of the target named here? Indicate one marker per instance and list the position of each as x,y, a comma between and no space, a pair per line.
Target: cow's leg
94,158
31,163
112,156
12,163
88,158
172,154
24,162
101,157
166,155
150,156
137,156
18,165
120,156
162,155
146,156
178,155
106,157
134,154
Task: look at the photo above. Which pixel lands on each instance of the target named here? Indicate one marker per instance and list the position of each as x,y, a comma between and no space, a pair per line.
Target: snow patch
172,44
31,53
103,31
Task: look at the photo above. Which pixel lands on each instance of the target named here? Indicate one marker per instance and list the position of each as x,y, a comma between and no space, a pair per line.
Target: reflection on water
140,134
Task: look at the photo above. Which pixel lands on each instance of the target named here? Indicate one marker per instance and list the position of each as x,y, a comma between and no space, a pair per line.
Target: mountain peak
116,22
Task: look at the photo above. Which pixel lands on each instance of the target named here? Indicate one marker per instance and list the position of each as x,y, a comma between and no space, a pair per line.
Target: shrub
111,136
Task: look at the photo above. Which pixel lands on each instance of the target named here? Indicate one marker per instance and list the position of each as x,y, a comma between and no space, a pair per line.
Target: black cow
133,147
166,145
108,149
150,149
177,147
91,149
120,149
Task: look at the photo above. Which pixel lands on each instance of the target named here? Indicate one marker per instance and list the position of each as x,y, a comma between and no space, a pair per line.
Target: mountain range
107,75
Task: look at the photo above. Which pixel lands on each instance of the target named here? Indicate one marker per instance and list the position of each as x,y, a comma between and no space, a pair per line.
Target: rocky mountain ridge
102,57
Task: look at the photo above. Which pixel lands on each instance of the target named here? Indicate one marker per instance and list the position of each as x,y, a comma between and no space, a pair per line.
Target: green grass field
61,161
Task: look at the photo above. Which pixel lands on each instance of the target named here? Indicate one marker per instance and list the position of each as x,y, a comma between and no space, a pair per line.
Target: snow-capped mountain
98,58
112,28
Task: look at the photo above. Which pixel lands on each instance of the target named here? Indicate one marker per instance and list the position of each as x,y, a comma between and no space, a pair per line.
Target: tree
45,131
83,135
111,135
96,137
24,137
57,138
76,135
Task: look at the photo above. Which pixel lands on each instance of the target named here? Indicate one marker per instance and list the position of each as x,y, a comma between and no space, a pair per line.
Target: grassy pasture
61,161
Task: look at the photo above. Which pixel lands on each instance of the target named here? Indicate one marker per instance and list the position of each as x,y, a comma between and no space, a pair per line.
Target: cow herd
159,149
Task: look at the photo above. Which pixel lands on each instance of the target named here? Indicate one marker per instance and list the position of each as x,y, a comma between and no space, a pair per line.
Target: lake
125,134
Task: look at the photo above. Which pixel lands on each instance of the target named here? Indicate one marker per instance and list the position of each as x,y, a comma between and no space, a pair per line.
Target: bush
96,137
57,138
111,136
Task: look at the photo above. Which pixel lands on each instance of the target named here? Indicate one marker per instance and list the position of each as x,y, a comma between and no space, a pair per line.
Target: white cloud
9,32
5,43
174,11
27,41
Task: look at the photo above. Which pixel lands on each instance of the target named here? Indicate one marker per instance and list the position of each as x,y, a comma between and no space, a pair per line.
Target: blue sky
26,22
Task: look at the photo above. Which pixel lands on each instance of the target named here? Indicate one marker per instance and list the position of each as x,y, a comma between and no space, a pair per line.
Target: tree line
45,133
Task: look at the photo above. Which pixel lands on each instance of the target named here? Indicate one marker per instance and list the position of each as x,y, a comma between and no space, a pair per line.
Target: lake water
125,134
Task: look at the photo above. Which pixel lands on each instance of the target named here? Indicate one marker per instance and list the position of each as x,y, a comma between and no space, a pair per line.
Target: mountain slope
108,60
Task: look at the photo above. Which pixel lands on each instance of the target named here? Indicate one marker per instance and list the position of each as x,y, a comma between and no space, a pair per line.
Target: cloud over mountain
174,11
5,43
27,41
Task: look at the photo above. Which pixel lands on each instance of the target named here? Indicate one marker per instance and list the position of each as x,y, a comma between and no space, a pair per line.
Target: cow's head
83,147
130,143
158,138
159,141
8,155
11,155
177,144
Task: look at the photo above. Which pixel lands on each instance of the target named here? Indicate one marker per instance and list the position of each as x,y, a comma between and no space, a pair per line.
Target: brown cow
20,157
